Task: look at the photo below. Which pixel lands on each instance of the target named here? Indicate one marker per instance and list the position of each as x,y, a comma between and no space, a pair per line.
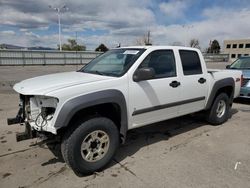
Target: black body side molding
159,107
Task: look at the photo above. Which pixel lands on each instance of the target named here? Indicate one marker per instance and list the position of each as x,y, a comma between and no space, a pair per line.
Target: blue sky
33,23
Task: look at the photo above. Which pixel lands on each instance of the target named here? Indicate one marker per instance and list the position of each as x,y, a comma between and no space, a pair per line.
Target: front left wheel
91,145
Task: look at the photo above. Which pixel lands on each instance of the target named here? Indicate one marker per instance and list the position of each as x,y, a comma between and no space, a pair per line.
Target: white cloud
174,8
31,34
219,24
8,32
23,29
122,21
11,17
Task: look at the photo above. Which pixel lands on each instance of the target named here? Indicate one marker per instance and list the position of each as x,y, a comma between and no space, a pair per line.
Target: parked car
243,64
90,111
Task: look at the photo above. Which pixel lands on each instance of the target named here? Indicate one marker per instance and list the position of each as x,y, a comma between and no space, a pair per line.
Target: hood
246,73
48,83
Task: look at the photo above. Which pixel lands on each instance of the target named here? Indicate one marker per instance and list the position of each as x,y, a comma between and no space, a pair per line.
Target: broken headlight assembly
40,110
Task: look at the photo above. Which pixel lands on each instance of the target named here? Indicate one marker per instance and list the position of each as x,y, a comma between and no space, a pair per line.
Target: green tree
214,47
101,48
73,46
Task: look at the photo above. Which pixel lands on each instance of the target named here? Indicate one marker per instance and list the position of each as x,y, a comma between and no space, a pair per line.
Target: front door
154,100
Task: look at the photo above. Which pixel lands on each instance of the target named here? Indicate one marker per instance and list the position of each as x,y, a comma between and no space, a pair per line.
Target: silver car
243,64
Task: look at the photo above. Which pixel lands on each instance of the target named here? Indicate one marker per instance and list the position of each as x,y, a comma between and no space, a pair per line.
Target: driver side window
162,62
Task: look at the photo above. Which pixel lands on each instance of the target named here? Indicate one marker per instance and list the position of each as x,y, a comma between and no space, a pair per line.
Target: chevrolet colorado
90,111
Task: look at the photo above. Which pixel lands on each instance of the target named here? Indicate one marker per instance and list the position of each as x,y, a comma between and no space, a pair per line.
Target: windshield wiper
98,72
92,72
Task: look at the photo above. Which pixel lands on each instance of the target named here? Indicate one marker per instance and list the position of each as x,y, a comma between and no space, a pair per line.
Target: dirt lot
183,152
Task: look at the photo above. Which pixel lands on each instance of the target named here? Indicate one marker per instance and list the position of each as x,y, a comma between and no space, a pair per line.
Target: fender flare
71,107
218,85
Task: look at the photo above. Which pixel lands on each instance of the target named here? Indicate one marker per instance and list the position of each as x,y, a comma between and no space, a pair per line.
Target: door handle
175,84
202,80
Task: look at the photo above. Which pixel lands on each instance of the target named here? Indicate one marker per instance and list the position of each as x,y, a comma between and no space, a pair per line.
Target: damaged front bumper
27,134
35,113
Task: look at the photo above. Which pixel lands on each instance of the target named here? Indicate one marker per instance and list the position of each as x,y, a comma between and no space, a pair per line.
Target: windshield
243,63
114,62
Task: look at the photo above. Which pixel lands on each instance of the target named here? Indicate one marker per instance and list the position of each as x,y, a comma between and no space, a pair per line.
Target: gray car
243,64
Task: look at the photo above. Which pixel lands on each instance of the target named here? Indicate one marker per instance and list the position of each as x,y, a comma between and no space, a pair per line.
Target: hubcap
221,108
94,146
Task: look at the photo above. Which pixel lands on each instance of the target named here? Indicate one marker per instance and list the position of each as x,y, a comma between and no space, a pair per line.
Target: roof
155,47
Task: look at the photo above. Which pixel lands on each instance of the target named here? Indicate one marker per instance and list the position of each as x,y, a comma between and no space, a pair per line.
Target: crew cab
90,111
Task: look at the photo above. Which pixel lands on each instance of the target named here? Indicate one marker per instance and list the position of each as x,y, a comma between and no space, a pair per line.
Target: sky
92,22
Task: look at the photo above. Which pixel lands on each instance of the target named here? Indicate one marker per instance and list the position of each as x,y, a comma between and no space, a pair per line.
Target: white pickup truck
90,111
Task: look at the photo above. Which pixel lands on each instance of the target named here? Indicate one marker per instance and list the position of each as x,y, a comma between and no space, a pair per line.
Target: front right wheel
219,112
91,145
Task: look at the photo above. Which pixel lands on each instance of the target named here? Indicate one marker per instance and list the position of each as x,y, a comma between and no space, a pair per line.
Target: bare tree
144,40
194,43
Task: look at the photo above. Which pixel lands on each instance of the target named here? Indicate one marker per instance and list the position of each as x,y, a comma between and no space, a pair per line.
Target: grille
245,81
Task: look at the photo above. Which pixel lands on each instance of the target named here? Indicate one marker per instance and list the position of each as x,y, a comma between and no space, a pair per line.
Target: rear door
194,86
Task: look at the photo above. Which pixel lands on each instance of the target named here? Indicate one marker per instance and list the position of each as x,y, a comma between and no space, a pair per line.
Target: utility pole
76,36
148,39
59,11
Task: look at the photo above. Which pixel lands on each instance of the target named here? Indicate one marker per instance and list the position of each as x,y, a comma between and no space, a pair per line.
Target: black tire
73,139
215,118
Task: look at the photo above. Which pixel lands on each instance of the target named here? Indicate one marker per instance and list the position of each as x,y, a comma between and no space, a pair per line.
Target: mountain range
14,47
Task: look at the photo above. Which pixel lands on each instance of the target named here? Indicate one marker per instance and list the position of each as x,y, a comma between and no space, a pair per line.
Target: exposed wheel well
228,90
108,110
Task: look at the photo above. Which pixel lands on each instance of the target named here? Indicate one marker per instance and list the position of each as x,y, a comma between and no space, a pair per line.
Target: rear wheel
90,146
219,111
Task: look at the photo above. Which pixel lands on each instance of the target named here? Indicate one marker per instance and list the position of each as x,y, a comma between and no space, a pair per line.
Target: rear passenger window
190,62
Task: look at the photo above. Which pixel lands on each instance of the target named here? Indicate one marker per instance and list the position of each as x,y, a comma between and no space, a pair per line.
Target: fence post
81,58
1,57
23,56
64,57
44,58
32,59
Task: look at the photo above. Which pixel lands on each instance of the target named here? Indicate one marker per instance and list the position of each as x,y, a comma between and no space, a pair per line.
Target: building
237,48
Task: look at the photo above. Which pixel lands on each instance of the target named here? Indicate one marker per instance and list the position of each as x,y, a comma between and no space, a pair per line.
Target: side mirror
228,67
143,74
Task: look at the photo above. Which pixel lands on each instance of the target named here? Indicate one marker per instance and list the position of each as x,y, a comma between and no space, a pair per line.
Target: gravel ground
183,152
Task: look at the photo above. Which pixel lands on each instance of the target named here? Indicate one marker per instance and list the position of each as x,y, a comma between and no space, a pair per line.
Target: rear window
190,62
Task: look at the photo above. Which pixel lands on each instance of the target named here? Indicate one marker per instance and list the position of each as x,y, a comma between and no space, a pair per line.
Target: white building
237,48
